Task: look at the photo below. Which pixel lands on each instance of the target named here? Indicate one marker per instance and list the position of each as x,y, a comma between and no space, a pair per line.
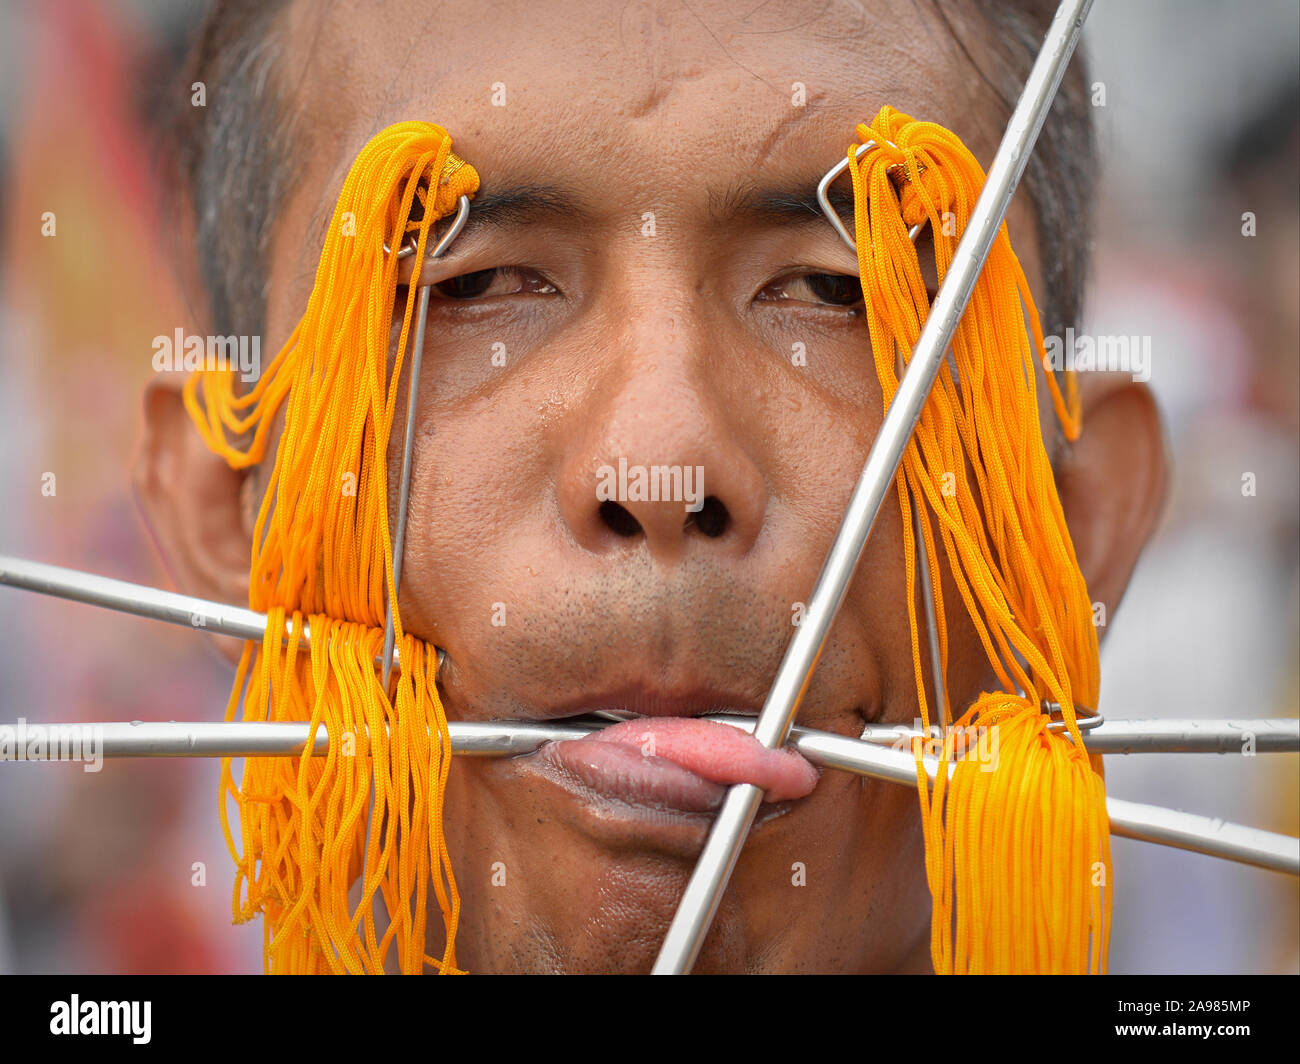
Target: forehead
639,104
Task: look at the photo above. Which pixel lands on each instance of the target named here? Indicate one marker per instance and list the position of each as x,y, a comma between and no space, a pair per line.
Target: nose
659,460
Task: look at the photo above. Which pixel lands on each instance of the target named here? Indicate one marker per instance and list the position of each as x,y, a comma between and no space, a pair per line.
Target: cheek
473,484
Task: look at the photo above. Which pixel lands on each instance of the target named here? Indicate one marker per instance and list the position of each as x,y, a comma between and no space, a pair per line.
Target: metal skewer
1134,820
408,445
703,892
140,600
1147,823
1219,736
1262,735
931,623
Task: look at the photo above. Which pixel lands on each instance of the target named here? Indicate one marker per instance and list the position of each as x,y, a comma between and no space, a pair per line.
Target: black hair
232,157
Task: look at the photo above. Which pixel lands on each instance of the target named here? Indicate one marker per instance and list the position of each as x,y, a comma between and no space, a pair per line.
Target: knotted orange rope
1017,843
322,554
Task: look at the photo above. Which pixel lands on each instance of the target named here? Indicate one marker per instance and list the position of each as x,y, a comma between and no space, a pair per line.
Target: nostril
619,519
713,517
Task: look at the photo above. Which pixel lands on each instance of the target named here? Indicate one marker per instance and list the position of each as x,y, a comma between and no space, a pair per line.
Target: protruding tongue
718,752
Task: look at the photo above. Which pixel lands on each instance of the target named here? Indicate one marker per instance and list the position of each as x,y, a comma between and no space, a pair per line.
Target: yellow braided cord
1017,843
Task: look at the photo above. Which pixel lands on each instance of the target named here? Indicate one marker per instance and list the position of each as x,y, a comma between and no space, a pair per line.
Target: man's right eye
498,281
819,289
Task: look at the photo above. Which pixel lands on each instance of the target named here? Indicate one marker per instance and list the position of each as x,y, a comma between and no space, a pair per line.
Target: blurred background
1199,120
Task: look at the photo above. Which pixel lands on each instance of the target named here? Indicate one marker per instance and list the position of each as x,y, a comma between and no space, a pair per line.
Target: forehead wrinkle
723,48
776,136
656,45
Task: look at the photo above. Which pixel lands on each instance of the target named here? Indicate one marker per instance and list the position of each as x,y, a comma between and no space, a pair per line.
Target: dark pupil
837,288
467,285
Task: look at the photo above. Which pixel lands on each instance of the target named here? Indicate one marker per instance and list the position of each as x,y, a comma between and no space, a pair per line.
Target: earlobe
192,502
1112,482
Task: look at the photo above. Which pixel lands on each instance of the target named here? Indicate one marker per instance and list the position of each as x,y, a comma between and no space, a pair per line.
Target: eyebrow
790,204
519,204
506,207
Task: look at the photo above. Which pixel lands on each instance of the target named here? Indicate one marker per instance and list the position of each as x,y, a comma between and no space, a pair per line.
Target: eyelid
793,276
459,259
488,248
524,273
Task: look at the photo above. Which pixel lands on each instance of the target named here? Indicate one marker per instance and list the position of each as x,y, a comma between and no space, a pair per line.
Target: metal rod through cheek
927,592
931,621
713,870
408,443
404,492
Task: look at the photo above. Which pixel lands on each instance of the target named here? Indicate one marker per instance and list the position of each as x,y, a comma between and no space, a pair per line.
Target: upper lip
652,702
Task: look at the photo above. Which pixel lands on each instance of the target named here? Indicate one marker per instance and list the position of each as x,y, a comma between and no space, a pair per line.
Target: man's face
671,349
647,308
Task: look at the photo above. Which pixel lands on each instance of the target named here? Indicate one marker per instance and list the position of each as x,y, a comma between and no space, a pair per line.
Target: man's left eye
499,281
828,289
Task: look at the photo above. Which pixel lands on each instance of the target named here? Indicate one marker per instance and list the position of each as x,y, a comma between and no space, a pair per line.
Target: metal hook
832,215
408,248
1091,719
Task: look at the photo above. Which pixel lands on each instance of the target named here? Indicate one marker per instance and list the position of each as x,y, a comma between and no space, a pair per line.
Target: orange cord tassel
372,809
1017,844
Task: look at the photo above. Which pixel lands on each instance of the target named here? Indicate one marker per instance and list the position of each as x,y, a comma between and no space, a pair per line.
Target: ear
197,508
1112,482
